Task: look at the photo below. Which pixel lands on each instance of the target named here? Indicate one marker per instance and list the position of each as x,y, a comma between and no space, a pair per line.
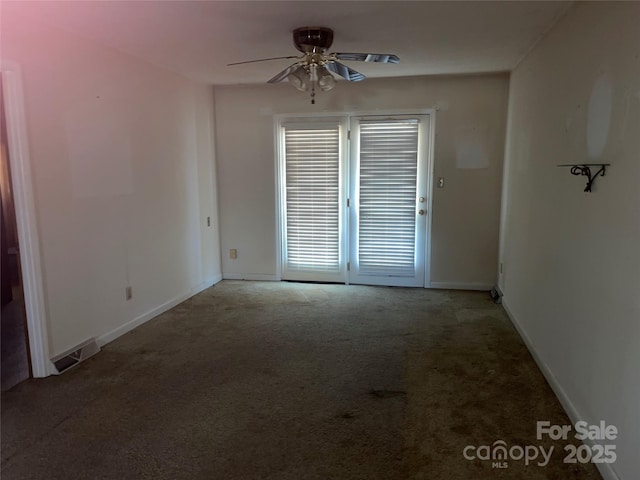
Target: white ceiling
199,38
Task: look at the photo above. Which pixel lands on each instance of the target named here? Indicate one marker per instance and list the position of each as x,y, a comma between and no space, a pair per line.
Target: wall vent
74,356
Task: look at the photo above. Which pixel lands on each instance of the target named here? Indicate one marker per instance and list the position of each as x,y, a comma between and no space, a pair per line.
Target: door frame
346,115
26,220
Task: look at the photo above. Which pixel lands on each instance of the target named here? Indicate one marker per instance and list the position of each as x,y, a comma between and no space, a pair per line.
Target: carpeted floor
260,380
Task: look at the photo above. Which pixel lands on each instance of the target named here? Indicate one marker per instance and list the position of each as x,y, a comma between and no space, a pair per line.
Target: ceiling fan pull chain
313,77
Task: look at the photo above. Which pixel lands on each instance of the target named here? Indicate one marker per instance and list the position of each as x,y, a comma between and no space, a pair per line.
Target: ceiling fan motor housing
312,39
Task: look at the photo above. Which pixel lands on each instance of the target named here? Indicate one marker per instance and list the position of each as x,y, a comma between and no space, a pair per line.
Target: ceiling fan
315,66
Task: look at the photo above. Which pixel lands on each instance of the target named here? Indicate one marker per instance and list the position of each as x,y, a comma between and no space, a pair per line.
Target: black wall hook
585,169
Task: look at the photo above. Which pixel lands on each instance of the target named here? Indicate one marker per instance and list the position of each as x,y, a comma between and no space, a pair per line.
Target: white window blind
312,209
388,160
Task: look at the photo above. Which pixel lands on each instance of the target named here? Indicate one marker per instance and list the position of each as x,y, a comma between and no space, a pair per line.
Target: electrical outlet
233,253
440,182
208,221
128,293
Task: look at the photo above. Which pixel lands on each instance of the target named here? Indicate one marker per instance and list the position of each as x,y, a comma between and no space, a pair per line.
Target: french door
353,199
387,218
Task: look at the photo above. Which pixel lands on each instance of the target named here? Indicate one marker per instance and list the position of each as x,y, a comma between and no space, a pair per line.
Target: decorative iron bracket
585,169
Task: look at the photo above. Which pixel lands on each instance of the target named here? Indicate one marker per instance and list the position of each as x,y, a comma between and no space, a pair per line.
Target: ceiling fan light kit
326,81
315,67
299,79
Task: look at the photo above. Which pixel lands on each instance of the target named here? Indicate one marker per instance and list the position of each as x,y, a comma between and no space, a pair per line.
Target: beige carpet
258,380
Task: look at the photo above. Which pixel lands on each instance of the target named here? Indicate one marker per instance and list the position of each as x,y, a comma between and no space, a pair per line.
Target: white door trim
28,239
430,165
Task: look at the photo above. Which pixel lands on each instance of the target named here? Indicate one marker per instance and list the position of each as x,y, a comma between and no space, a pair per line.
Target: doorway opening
17,156
15,363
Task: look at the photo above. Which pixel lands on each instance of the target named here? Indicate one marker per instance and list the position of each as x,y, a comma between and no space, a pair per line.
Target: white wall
571,259
472,112
123,171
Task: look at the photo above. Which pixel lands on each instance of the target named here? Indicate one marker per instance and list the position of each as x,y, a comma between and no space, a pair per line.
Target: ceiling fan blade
261,60
284,73
368,57
344,71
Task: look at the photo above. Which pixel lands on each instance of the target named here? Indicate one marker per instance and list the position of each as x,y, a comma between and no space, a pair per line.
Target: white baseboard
606,469
250,276
462,286
145,317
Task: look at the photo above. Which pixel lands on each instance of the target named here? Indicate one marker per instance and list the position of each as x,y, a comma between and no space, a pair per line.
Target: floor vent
70,358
